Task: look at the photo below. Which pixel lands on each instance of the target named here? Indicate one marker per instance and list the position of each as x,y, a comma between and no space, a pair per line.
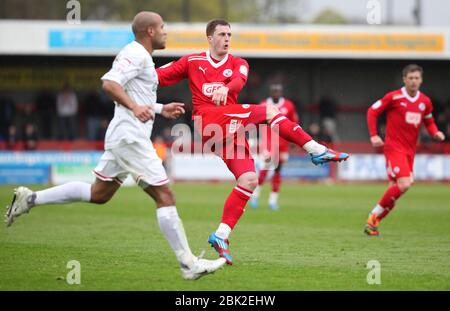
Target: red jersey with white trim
287,108
404,117
205,76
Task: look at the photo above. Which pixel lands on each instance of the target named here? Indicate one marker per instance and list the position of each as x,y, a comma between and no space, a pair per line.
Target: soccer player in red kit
279,154
215,80
406,109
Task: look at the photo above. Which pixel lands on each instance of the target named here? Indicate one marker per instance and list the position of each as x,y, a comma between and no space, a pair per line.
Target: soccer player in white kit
131,83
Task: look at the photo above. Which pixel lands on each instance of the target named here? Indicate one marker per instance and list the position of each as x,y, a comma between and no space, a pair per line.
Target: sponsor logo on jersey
202,69
413,118
422,107
403,104
243,70
228,73
209,88
245,106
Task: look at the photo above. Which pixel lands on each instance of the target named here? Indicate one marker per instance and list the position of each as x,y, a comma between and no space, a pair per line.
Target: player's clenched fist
376,141
172,110
143,113
219,96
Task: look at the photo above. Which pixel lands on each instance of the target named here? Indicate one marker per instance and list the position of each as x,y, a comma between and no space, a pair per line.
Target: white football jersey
135,71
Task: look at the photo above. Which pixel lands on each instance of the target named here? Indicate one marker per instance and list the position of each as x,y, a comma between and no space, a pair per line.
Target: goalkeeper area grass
314,242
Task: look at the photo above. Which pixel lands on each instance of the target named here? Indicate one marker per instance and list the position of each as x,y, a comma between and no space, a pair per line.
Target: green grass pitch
315,242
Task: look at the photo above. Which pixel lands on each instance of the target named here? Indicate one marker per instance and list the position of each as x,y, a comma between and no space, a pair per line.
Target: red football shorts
222,131
398,164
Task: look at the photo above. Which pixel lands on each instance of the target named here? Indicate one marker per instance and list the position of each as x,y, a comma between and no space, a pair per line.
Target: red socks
276,179
262,177
289,130
234,205
388,200
276,182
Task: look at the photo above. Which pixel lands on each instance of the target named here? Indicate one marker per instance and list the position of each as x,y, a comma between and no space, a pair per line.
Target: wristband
158,108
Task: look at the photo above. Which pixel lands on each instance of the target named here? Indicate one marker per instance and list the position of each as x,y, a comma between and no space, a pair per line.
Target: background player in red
406,109
279,154
215,80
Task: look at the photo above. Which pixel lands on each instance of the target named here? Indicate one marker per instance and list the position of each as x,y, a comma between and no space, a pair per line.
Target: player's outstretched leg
24,199
294,133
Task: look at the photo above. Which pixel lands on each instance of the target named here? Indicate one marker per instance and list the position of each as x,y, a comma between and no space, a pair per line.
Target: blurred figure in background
67,110
320,135
7,109
24,128
327,112
45,104
279,153
406,110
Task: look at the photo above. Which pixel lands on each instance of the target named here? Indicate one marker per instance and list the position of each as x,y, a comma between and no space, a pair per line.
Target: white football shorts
138,159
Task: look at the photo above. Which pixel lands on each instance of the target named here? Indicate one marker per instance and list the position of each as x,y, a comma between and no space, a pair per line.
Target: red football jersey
205,76
404,117
287,108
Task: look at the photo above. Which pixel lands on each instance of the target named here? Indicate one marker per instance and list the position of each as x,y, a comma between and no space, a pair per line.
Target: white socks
75,191
314,147
223,231
173,230
256,192
273,198
378,210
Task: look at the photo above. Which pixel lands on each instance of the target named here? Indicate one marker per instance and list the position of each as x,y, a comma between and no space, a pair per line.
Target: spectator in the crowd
327,113
167,135
67,110
30,137
25,128
45,102
320,135
7,109
94,114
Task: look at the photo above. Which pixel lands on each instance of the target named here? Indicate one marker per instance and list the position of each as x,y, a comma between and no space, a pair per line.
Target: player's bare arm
439,136
376,141
172,110
118,94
